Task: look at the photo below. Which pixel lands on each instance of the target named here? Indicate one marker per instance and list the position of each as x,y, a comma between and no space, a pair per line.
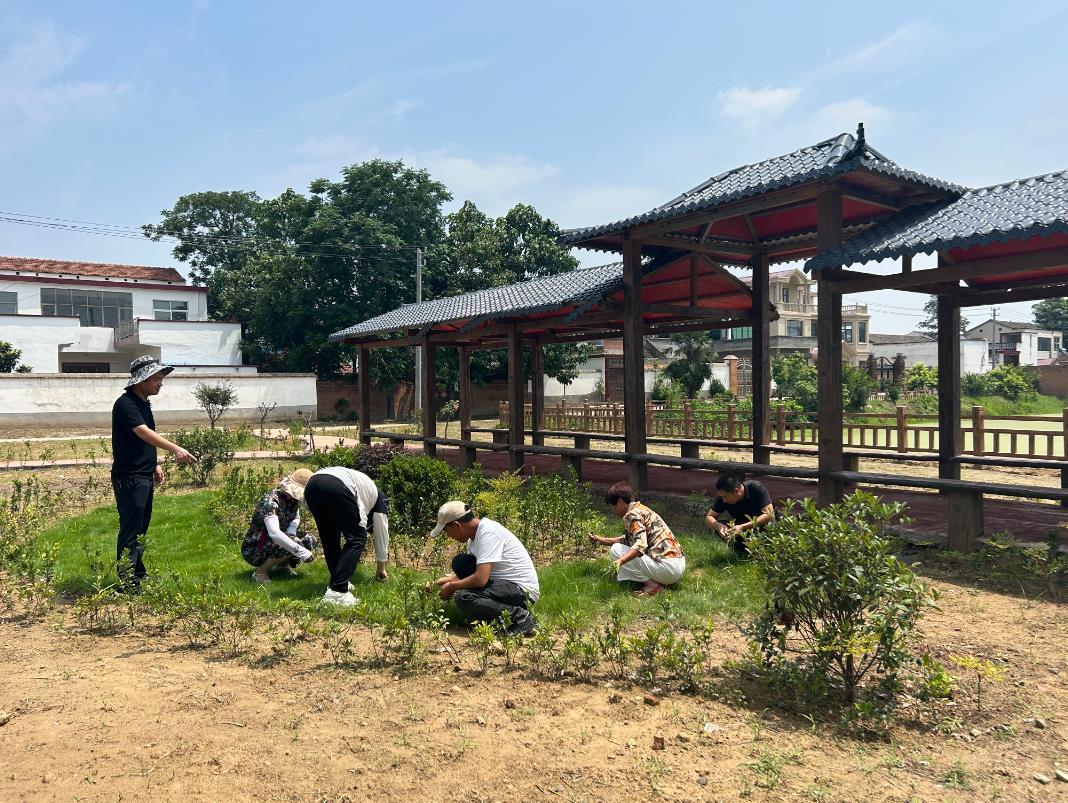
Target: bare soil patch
137,716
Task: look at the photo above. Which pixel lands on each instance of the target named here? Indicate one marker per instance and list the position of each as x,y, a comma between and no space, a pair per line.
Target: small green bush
234,499
921,377
831,574
211,448
416,486
367,459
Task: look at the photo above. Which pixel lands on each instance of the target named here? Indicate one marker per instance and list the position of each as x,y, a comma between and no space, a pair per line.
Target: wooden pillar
364,411
537,396
467,454
761,360
633,363
430,397
516,402
950,441
829,344
965,519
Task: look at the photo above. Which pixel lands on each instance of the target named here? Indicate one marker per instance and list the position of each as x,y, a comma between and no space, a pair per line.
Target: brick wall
1053,380
340,399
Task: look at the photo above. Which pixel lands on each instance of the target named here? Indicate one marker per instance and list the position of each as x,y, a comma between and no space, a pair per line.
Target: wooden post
468,457
978,430
902,429
649,418
829,344
732,374
687,418
965,515
731,412
633,362
780,423
430,398
586,413
365,395
761,392
516,402
537,396
1064,471
949,432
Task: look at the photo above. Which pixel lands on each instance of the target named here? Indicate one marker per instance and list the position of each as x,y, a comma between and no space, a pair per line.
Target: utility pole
994,321
419,400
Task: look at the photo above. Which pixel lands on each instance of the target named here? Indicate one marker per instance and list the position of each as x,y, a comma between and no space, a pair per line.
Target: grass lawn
185,539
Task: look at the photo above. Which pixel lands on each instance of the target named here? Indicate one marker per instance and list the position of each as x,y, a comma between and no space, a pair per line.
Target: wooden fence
1038,436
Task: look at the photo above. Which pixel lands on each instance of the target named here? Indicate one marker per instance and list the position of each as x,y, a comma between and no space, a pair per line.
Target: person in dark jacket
747,505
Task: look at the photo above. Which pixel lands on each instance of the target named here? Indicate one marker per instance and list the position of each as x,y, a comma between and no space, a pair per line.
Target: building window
93,307
9,303
862,331
1057,344
742,333
795,328
847,331
171,310
1045,344
786,295
812,327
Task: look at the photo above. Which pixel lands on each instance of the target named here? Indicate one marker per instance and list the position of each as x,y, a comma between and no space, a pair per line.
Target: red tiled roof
30,265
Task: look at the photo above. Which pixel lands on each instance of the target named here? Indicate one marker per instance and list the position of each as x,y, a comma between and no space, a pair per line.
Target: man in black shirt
749,506
134,470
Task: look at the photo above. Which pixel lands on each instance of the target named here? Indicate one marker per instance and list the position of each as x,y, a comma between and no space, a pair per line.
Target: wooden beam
906,263
873,198
516,401
1023,293
829,344
950,438
752,229
633,363
364,411
697,326
429,401
695,246
537,395
464,371
695,268
761,359
854,282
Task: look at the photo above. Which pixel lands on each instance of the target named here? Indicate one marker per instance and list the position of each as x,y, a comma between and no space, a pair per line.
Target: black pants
490,601
133,498
337,515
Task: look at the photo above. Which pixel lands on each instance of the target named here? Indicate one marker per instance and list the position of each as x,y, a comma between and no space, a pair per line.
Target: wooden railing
1034,436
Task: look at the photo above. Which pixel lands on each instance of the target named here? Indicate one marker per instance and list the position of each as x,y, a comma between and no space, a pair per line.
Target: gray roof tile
834,156
1016,210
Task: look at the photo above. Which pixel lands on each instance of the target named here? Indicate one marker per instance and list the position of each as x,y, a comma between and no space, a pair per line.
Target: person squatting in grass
747,504
344,504
494,577
647,552
135,470
273,540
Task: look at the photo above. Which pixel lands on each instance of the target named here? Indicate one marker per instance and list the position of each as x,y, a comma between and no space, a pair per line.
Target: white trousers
666,572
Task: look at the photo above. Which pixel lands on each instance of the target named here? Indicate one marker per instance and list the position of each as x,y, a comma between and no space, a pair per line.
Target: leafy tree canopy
930,323
1052,313
694,352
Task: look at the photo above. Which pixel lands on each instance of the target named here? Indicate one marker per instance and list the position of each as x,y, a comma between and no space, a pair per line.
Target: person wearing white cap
494,577
273,540
135,469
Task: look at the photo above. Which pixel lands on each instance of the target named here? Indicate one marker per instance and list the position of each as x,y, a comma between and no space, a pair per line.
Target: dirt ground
134,717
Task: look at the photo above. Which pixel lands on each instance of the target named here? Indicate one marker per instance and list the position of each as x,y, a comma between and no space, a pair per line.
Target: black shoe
524,625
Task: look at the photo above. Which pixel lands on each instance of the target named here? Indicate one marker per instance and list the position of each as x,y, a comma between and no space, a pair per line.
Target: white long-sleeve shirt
285,539
366,492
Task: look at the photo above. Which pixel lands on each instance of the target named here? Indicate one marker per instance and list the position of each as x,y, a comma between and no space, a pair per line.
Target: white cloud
834,118
754,106
904,43
487,181
400,107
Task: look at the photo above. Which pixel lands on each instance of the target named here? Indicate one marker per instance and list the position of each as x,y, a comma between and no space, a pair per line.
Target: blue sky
590,111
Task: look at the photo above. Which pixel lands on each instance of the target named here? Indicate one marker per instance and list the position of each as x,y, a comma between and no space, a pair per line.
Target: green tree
9,357
930,323
796,378
1052,313
921,377
857,386
215,400
692,367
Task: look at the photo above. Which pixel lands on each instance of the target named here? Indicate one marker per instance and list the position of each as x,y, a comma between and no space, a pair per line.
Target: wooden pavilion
836,203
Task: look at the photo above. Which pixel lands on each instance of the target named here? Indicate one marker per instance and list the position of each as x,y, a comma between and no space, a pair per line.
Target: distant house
1015,343
794,295
917,348
88,317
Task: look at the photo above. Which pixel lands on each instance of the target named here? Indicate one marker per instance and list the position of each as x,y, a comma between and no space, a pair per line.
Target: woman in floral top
272,539
648,552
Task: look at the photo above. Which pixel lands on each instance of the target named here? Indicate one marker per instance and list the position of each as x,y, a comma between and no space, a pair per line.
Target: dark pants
493,599
133,497
337,516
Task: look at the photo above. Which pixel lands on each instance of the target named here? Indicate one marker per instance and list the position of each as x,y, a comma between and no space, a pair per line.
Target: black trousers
490,601
133,498
337,516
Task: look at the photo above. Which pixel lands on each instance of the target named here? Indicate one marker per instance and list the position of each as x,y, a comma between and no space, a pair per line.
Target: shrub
832,575
716,388
368,459
416,486
211,448
215,399
1012,382
236,496
921,377
856,387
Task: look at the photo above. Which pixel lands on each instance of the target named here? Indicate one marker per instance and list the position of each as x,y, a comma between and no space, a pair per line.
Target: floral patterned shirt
647,532
273,503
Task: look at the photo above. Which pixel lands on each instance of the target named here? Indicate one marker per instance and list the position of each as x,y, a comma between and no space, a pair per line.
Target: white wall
974,354
193,343
42,399
39,338
29,295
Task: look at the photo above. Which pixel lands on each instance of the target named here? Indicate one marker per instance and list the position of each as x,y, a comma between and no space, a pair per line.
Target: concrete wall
193,343
974,354
42,399
29,295
39,338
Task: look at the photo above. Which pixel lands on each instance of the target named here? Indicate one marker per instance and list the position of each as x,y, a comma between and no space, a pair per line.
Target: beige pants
666,572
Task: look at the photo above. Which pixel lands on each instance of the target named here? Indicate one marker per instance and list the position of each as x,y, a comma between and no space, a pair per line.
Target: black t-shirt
750,506
132,456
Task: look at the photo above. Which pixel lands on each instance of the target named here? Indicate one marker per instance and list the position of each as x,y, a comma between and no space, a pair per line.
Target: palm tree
692,367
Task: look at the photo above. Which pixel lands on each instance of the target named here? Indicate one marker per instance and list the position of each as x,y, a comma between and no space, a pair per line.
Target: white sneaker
332,597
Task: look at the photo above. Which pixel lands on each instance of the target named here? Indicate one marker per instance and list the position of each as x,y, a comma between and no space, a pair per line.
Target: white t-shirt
494,543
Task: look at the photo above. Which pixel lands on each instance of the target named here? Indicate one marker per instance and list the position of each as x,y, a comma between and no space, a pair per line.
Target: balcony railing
126,330
812,309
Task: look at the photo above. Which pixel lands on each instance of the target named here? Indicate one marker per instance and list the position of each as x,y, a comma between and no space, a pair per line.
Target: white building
918,348
85,317
1014,343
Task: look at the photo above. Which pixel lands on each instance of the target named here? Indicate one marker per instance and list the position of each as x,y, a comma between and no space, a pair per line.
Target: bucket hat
144,367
